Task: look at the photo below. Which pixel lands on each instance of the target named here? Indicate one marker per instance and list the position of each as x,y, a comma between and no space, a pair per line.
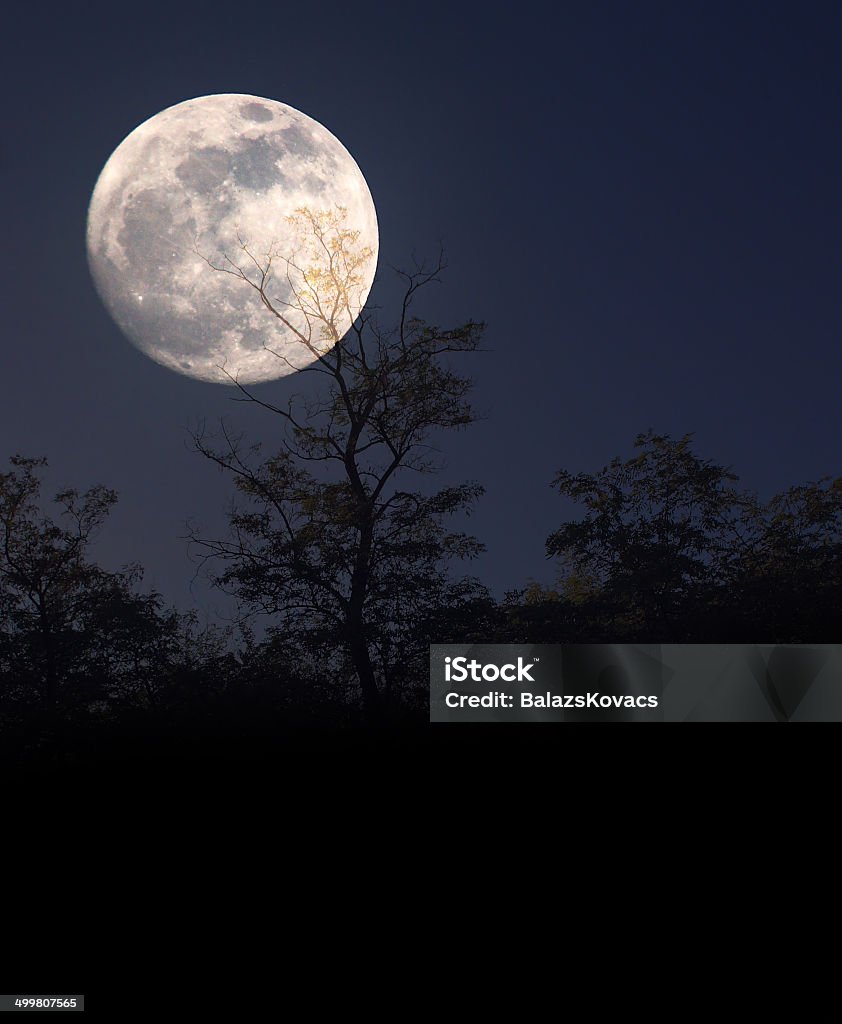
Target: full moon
210,192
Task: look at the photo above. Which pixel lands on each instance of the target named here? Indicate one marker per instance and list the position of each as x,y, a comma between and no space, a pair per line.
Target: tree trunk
358,649
357,644
50,692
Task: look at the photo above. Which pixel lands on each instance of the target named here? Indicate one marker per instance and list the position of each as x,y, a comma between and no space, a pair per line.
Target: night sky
641,200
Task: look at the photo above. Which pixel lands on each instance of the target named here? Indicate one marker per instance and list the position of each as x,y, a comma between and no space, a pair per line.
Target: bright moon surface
197,180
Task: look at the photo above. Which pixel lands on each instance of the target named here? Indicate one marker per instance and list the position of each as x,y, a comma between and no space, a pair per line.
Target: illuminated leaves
331,264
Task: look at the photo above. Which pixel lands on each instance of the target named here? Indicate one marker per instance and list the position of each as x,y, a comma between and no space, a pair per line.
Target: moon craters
256,112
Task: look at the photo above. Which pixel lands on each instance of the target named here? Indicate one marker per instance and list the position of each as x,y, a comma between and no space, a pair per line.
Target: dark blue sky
642,201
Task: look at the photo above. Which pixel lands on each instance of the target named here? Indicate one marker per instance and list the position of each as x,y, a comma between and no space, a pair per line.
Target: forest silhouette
346,562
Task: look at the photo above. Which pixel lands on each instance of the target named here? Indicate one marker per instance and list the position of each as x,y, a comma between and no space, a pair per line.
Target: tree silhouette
669,549
657,528
71,633
326,541
787,581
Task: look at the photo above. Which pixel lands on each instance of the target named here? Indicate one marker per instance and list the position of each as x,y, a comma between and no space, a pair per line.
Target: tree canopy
669,548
